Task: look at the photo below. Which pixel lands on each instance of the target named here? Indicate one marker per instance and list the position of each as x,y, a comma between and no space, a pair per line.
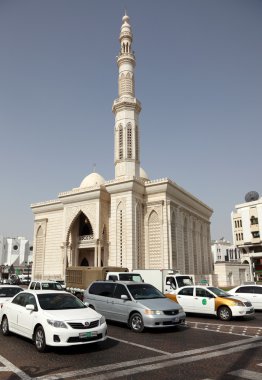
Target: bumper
60,337
240,311
157,321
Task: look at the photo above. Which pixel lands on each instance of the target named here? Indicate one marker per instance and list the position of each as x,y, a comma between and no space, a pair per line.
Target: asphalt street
205,348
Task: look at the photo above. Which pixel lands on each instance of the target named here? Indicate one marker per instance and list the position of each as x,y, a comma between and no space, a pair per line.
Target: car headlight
102,320
58,324
153,312
237,303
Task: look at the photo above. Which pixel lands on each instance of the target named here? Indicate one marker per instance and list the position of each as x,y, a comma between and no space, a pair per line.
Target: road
204,349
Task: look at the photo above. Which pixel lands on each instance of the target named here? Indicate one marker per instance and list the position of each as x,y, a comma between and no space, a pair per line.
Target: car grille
82,326
170,312
248,304
76,339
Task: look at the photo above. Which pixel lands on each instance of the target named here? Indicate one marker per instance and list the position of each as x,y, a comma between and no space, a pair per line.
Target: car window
200,292
9,292
144,291
257,290
120,290
32,286
22,299
59,301
102,289
245,289
186,292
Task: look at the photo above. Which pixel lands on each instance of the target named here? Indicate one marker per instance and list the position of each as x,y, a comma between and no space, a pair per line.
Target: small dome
93,179
143,174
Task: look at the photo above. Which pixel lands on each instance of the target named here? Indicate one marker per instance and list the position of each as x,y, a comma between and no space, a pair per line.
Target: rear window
245,289
102,289
9,292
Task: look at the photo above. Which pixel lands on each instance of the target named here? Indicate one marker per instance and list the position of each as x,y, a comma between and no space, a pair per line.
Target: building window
129,141
120,134
15,247
253,220
256,234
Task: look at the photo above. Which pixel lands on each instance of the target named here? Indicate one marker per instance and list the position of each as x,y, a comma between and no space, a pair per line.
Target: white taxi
211,300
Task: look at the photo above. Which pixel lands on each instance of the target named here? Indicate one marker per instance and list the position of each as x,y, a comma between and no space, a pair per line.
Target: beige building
129,221
246,222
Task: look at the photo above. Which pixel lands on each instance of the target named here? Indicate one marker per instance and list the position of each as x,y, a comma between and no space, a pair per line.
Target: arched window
128,84
39,256
129,141
173,242
120,142
154,241
120,230
139,259
186,256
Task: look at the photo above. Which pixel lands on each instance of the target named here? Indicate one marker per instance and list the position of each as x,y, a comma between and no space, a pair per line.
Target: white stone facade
247,233
223,250
16,252
129,221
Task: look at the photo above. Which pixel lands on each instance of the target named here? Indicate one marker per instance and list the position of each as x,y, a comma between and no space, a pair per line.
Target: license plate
88,334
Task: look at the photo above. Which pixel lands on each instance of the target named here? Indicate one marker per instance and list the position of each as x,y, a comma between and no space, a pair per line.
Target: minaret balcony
126,102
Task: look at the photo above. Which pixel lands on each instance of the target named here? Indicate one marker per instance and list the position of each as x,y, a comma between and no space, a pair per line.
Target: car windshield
218,292
52,301
184,281
9,292
144,291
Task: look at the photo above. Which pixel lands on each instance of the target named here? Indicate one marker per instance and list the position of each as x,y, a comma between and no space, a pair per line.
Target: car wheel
224,313
39,339
136,323
5,326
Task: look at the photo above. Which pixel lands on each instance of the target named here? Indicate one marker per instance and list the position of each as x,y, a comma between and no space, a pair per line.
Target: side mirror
30,307
124,297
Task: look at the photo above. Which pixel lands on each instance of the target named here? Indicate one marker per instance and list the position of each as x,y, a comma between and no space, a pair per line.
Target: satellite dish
251,196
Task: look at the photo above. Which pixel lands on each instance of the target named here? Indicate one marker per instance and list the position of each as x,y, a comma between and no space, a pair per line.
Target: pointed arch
154,241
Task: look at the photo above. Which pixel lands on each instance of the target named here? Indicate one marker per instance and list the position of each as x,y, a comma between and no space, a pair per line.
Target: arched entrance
85,250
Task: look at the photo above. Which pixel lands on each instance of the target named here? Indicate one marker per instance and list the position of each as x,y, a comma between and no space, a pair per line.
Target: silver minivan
137,304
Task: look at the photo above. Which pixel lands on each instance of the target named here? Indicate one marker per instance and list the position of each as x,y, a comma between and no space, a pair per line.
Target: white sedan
52,318
211,300
253,293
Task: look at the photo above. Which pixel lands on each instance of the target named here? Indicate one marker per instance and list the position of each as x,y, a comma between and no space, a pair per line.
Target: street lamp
28,269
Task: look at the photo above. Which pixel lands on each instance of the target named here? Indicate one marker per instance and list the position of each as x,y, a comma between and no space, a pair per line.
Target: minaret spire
126,108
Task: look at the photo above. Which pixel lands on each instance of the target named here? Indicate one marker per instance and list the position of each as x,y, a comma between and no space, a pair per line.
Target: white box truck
165,280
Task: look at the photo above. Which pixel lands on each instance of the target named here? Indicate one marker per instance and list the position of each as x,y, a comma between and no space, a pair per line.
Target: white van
124,276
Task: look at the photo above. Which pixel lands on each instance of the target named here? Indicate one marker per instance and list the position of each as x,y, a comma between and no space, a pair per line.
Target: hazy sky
198,77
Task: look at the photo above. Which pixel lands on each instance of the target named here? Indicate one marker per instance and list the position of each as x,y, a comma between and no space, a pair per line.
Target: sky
198,77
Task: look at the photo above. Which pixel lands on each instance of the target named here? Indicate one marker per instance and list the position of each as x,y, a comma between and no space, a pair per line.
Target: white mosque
129,221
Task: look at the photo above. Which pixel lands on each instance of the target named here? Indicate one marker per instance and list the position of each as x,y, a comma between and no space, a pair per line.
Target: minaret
126,109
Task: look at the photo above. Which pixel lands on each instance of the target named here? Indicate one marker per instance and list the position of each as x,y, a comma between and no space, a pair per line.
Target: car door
204,301
119,306
27,318
185,298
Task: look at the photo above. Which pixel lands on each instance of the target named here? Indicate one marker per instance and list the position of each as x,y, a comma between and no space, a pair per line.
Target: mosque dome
143,174
93,179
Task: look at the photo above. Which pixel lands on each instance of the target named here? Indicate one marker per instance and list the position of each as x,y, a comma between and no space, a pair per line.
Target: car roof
246,285
10,286
120,282
32,291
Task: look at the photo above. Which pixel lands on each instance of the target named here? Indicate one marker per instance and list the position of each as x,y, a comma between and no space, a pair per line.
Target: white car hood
237,298
72,314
